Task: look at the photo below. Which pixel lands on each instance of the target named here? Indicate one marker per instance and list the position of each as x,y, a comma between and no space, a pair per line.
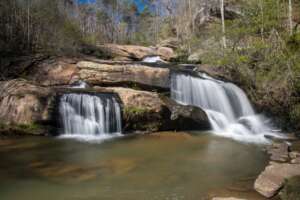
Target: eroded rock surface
134,52
23,102
110,74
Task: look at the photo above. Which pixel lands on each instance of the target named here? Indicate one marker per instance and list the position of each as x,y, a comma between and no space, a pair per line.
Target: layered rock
115,74
133,52
54,72
23,102
148,111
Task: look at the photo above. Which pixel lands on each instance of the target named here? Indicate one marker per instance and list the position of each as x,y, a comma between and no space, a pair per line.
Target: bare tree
223,23
290,17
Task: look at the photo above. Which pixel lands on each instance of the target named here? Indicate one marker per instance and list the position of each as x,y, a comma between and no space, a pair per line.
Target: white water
80,85
152,59
90,117
228,108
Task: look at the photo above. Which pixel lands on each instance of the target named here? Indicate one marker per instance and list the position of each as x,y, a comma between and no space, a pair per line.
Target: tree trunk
223,24
290,17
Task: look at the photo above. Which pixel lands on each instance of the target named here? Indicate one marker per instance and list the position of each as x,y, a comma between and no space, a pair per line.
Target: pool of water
163,166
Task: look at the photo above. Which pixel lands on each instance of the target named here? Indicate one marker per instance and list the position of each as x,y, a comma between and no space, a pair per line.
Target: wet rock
271,180
149,111
279,152
189,117
23,102
114,74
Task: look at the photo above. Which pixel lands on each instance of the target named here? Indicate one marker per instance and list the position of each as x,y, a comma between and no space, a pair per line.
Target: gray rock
271,180
279,152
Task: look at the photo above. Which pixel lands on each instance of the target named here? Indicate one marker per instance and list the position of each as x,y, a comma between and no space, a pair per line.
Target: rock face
272,178
133,52
54,72
22,102
148,111
110,74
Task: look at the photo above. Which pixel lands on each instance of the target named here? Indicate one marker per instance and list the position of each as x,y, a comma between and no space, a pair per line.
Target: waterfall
90,116
229,111
152,59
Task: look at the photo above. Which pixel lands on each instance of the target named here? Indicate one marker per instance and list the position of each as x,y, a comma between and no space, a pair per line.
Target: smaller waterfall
152,59
90,116
228,108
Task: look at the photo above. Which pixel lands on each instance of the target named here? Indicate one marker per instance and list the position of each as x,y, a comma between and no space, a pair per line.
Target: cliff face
34,99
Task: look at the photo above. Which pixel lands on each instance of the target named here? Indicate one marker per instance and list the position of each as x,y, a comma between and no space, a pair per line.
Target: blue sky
139,3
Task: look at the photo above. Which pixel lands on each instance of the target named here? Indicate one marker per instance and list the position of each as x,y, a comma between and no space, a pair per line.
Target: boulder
148,111
271,180
134,52
54,72
172,43
226,198
23,102
118,74
187,117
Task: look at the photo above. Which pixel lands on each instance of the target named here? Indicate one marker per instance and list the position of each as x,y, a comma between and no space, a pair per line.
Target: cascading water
90,116
152,59
228,108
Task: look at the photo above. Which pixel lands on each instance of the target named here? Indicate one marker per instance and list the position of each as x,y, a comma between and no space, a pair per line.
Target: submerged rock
272,178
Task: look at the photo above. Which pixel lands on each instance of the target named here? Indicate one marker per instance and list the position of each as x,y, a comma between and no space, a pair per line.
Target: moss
291,190
132,112
295,114
21,129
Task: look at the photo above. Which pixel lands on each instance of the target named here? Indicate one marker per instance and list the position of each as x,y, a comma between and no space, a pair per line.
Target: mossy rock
291,190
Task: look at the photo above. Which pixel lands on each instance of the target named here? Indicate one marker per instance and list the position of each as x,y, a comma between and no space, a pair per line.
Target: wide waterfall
90,116
228,108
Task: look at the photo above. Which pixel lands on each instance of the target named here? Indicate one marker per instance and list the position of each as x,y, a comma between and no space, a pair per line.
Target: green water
160,167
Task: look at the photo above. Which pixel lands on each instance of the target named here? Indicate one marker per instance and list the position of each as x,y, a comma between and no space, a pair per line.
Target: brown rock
59,71
272,178
134,52
279,152
110,74
129,51
165,53
23,102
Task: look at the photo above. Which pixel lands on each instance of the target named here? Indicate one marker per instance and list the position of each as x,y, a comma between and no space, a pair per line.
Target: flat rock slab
110,74
271,180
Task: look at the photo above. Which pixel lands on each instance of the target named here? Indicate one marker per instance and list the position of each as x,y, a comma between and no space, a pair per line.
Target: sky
139,3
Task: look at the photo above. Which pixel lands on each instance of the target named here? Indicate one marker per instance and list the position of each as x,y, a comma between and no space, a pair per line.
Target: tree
223,23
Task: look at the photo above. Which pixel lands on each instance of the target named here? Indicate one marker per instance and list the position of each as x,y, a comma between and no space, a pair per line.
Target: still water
163,166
